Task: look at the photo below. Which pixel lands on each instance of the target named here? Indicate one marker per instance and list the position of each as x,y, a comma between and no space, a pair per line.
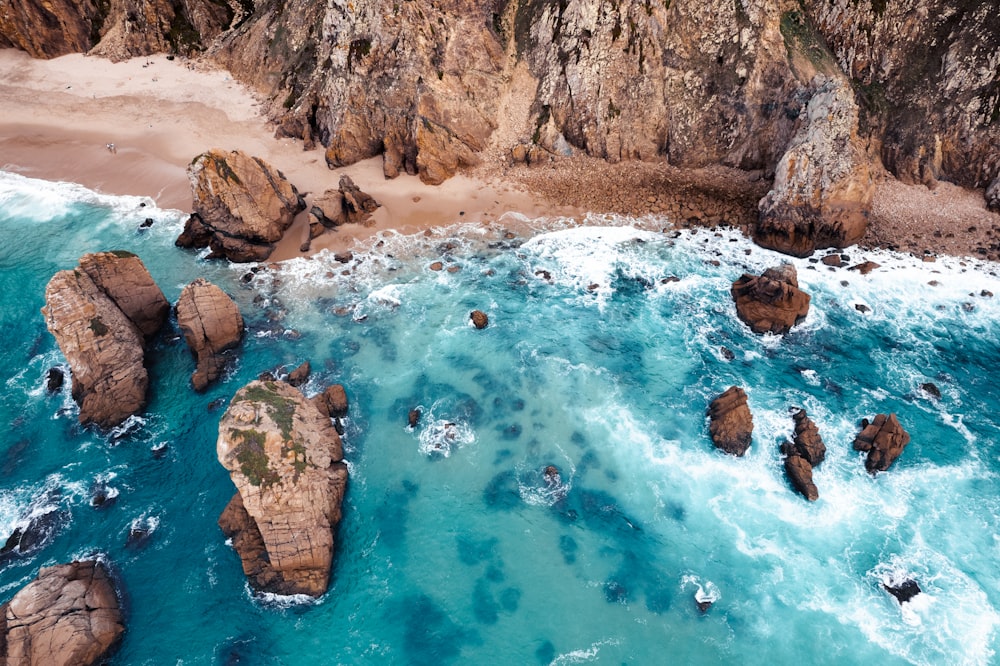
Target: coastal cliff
436,86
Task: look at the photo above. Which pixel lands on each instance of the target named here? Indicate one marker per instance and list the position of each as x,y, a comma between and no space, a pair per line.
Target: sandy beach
58,116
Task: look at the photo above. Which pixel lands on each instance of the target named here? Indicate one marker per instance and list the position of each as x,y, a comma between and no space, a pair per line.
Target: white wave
441,436
584,655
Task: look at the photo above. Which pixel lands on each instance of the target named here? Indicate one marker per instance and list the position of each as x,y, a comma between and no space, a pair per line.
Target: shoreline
57,117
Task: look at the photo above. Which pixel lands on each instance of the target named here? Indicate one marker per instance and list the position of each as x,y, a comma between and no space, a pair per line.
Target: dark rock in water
808,443
299,375
42,522
862,308
771,302
147,223
479,319
413,418
799,472
159,450
546,653
101,496
338,425
551,474
904,591
884,439
216,404
703,605
727,353
731,423
54,380
931,389
266,376
332,402
138,536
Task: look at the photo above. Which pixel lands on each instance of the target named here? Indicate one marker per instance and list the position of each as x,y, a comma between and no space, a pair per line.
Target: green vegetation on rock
98,327
252,458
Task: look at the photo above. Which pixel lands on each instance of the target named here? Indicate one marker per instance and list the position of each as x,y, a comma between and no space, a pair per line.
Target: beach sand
58,116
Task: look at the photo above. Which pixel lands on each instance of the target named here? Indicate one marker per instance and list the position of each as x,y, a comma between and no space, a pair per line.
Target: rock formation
286,461
242,206
771,302
299,375
100,314
332,402
68,616
800,473
479,319
884,439
212,324
730,421
347,204
805,452
823,187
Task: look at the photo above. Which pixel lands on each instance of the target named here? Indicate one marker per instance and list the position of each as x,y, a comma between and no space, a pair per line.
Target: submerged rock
68,616
731,424
100,315
212,324
243,206
884,439
772,302
413,418
286,461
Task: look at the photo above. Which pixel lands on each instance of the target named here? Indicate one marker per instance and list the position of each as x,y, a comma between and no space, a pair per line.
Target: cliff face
431,83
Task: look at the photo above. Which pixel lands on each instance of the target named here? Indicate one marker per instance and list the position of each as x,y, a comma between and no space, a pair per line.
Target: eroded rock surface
800,473
771,302
100,314
731,424
884,439
807,441
212,324
243,206
286,461
823,186
347,204
68,616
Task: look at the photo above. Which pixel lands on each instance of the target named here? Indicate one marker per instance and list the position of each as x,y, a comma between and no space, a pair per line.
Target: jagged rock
54,380
413,418
244,202
823,186
799,472
99,314
299,375
479,319
332,402
68,616
772,302
993,195
731,424
286,461
347,204
931,389
808,443
903,591
212,324
884,439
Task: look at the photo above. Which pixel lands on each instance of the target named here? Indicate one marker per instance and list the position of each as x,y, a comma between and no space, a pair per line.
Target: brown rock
832,260
102,344
413,418
808,443
286,461
479,319
212,324
299,375
68,616
884,439
864,267
332,402
771,302
245,203
345,204
799,472
731,424
436,266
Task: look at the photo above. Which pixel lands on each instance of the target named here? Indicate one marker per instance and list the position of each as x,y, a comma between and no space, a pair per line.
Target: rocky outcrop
299,375
242,204
823,186
212,324
286,461
771,302
100,314
730,421
347,204
804,452
332,402
68,616
993,195
884,439
479,319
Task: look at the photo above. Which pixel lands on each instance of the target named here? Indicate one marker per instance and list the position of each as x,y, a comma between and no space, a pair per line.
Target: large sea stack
730,421
286,461
212,324
101,314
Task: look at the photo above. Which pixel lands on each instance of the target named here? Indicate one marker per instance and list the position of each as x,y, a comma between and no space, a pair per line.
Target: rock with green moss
286,461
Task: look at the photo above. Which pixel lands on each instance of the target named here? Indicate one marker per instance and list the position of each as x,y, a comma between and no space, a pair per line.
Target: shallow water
454,547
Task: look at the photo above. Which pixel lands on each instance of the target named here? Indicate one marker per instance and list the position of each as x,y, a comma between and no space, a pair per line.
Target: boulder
823,185
332,402
286,461
68,616
731,423
799,472
243,206
413,418
347,204
100,315
807,441
993,195
903,590
884,439
211,323
479,319
299,375
771,302
54,380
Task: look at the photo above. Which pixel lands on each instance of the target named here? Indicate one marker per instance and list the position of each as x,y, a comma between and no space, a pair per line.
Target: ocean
605,345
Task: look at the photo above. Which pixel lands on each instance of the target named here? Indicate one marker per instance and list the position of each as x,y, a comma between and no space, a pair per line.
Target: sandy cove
58,116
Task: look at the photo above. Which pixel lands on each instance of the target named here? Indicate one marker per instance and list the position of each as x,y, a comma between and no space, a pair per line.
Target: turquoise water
467,555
